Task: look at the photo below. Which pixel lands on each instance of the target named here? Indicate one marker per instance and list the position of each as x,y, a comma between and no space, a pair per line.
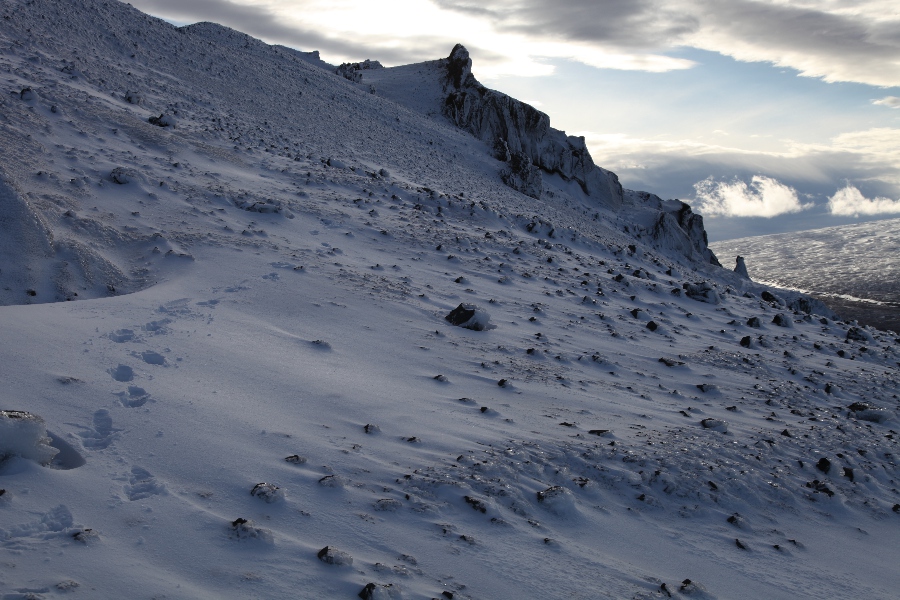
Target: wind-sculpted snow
282,408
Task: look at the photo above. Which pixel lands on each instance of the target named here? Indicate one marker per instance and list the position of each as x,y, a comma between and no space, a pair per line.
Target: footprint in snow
102,434
142,484
135,397
153,358
122,373
121,335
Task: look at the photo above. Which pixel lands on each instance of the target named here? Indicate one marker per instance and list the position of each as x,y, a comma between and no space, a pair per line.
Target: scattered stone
369,428
245,529
739,544
746,341
707,387
669,362
268,492
819,486
296,459
868,412
754,322
441,378
771,298
162,120
598,431
652,326
857,334
85,536
121,175
503,383
782,320
332,556
715,425
388,505
476,504
374,591
824,465
331,481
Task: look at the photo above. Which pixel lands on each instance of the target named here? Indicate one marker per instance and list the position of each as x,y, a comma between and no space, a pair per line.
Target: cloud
763,197
837,40
849,201
889,101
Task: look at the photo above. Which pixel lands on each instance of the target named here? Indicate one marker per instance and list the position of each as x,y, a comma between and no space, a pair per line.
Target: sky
766,116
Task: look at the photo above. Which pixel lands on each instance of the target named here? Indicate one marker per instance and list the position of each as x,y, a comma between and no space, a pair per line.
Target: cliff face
514,128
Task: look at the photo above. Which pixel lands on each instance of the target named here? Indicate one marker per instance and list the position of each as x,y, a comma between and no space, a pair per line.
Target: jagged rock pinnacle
459,66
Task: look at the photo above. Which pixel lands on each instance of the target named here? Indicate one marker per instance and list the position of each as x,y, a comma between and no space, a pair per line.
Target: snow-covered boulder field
236,328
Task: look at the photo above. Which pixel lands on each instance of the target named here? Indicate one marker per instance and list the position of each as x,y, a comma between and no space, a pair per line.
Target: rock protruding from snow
374,591
25,434
702,292
333,556
679,228
469,316
353,71
523,176
740,267
497,118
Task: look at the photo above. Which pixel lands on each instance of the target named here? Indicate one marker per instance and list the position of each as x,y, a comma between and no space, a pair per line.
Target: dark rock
476,504
332,556
782,320
740,544
598,431
754,322
652,326
746,341
770,297
369,428
296,459
268,492
670,362
469,316
824,465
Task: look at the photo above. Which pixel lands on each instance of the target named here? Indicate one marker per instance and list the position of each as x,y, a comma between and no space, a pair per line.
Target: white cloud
849,202
889,101
763,197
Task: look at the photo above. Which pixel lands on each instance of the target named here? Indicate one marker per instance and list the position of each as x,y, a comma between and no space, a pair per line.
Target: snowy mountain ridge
259,392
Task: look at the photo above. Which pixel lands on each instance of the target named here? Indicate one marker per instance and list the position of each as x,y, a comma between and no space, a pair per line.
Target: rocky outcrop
740,267
519,129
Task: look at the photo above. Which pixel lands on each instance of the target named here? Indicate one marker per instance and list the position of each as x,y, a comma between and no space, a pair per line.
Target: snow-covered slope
852,267
280,408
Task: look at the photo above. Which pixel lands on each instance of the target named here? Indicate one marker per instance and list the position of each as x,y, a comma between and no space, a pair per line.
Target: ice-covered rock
333,556
374,591
353,71
25,434
497,118
740,267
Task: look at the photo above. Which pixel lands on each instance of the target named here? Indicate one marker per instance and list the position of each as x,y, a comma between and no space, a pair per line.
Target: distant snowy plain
261,292
853,268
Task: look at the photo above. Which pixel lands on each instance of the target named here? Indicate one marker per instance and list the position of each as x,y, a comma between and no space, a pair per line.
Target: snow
213,350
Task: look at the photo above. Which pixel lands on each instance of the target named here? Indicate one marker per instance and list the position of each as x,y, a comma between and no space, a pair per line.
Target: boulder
469,316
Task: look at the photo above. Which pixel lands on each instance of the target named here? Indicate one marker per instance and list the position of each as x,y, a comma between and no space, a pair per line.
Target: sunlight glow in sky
734,106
